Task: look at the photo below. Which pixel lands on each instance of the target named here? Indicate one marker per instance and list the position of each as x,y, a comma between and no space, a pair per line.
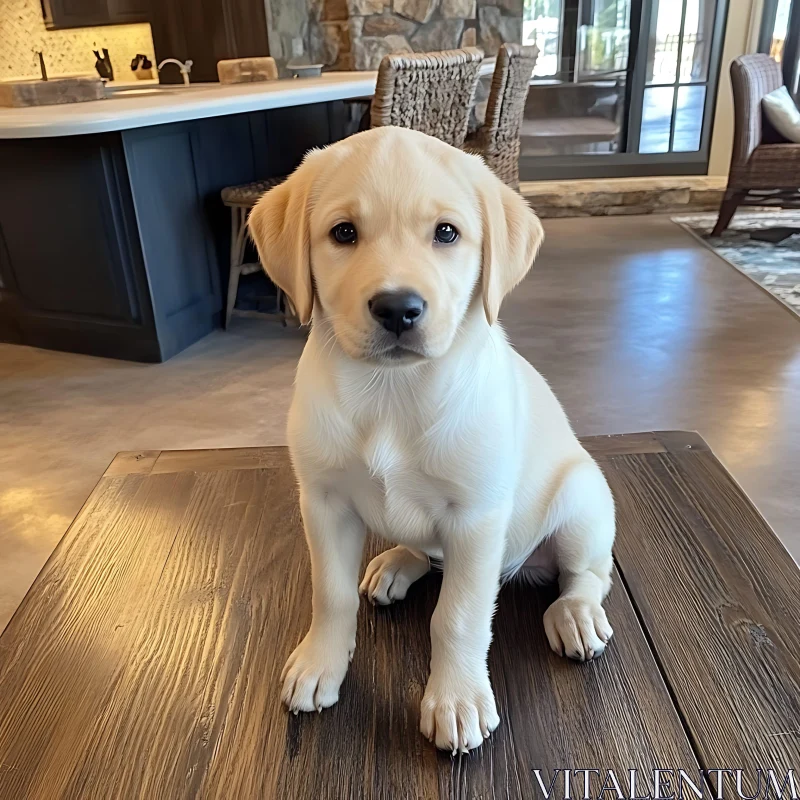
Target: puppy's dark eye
344,233
445,233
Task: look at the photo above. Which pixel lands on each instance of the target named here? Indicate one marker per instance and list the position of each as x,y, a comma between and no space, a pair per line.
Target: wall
741,36
356,34
67,52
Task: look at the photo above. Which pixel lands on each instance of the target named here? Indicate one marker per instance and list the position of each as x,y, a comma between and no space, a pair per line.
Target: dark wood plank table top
144,661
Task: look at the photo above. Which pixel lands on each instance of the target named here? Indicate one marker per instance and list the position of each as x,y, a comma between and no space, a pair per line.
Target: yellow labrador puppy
412,416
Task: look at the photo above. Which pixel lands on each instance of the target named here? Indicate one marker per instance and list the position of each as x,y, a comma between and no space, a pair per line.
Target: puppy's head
389,235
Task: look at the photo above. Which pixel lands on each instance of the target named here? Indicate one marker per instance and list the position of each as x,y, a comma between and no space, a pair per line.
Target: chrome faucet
184,68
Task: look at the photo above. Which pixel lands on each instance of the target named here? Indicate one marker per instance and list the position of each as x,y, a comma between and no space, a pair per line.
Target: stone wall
357,34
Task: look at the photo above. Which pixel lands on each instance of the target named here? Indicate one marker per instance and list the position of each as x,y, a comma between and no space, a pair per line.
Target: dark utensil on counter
142,66
103,65
140,61
42,66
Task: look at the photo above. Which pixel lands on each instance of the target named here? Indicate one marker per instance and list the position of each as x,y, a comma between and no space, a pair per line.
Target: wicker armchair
429,92
764,171
497,140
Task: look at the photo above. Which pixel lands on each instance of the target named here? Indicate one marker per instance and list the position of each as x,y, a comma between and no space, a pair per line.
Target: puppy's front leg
315,670
458,709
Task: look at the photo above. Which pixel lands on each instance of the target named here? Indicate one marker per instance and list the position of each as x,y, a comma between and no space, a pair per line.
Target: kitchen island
113,238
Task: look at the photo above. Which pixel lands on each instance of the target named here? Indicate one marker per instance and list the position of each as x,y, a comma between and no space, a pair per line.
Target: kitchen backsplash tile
66,52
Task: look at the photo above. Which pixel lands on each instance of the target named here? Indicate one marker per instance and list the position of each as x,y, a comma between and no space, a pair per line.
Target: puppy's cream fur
444,440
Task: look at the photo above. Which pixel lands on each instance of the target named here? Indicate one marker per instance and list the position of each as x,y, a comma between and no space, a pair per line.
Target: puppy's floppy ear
512,235
279,227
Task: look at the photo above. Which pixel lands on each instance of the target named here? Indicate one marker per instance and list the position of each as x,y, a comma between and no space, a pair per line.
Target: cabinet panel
65,240
121,11
71,265
207,31
60,14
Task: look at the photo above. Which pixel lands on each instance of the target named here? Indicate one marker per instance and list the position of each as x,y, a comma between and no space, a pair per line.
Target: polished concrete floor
635,324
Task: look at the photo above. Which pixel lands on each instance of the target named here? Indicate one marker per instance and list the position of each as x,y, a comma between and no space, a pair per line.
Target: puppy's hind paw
577,628
389,575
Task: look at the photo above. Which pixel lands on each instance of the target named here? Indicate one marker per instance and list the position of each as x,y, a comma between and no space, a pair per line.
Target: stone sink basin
20,94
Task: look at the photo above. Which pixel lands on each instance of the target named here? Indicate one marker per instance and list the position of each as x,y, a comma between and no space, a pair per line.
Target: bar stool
429,92
498,139
240,200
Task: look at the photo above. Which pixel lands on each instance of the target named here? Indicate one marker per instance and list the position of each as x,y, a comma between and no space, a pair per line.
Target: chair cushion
248,194
783,114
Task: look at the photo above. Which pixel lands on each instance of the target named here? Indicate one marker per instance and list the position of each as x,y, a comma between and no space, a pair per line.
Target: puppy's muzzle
397,311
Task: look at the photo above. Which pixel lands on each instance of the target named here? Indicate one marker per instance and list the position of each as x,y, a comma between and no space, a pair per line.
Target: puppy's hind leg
389,575
576,624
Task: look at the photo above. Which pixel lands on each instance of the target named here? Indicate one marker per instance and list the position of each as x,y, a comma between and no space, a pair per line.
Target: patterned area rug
774,266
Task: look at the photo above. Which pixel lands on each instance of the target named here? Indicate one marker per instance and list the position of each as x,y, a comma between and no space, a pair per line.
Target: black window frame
631,163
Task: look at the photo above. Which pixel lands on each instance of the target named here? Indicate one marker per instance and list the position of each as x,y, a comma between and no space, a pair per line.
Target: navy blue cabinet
117,244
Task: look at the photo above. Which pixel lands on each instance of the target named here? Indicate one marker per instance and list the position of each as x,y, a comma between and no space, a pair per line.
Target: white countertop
178,104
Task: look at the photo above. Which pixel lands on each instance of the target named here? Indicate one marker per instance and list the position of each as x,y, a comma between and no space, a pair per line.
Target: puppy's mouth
396,355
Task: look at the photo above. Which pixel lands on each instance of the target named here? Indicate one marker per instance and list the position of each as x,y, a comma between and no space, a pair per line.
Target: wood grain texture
720,598
678,441
145,461
223,459
620,443
135,462
144,663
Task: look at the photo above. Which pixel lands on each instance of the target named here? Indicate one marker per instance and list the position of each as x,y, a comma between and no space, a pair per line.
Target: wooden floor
144,661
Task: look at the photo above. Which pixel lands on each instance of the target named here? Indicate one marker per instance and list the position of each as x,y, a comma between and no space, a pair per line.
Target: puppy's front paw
389,575
458,713
314,672
577,628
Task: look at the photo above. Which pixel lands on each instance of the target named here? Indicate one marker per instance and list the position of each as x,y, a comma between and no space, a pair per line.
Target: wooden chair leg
233,288
730,202
238,234
238,241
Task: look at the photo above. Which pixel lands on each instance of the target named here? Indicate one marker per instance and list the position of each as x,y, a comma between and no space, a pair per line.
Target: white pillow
782,112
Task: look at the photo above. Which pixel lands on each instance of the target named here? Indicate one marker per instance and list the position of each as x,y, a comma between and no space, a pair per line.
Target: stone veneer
624,196
357,34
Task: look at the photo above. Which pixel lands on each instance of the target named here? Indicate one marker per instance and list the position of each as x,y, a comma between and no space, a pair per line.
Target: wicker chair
497,140
429,92
240,199
764,170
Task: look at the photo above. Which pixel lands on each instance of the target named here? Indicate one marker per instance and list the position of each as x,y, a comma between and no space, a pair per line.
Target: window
623,87
541,26
780,28
603,38
780,37
677,73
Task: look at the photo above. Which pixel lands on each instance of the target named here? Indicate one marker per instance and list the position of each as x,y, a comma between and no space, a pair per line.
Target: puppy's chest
395,484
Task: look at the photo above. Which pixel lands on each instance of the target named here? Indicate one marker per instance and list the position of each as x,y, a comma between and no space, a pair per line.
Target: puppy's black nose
397,311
